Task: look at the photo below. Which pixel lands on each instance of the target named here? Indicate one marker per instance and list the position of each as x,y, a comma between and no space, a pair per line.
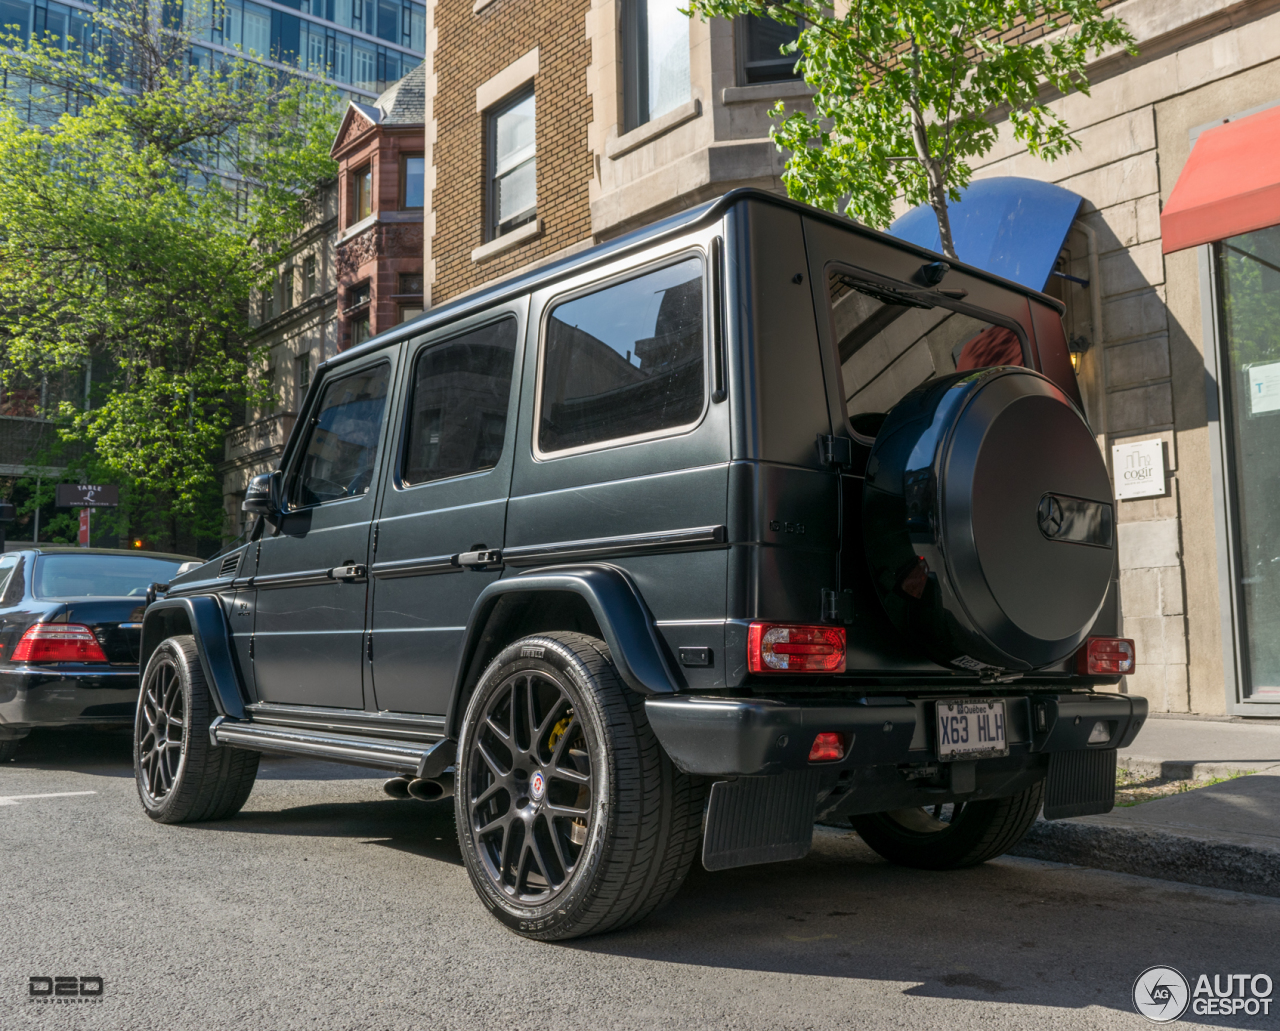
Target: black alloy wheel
571,819
159,728
182,777
951,835
530,781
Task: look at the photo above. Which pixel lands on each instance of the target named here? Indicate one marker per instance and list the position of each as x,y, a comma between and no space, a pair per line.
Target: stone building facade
297,319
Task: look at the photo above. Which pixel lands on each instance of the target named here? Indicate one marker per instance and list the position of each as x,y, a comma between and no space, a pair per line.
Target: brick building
381,190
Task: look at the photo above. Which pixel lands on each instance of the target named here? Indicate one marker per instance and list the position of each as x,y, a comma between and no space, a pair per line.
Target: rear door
622,454
446,495
311,581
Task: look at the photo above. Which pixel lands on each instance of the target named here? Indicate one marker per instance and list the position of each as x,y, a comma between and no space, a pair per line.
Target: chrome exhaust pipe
397,787
432,790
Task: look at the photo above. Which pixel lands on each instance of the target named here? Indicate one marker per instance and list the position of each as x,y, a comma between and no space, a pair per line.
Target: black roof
481,298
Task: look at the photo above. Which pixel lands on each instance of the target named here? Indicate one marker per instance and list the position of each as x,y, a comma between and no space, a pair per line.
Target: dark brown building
381,196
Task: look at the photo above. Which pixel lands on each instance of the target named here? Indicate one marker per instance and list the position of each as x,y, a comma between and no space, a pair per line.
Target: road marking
13,799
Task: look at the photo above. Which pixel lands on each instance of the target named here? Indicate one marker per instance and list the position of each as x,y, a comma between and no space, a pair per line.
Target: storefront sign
1139,468
1264,388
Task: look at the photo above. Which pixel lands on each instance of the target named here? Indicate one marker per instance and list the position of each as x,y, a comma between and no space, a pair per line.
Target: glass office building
361,46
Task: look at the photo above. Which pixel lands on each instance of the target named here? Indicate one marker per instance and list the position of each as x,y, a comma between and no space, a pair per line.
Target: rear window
625,361
890,344
100,576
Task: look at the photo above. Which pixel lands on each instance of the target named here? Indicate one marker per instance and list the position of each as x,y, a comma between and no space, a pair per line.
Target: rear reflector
795,649
827,748
1106,657
58,642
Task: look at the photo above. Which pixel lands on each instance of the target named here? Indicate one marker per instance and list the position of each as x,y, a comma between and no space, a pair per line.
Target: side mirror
262,496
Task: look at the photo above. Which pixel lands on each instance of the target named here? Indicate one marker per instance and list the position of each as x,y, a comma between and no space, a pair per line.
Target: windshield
100,576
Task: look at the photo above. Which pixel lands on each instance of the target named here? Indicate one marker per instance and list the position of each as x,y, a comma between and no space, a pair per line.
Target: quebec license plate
971,728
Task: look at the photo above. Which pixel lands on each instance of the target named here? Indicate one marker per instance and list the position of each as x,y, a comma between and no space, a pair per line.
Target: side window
889,345
342,442
458,408
625,361
8,564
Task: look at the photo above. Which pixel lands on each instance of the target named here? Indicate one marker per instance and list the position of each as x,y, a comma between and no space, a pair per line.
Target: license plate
971,728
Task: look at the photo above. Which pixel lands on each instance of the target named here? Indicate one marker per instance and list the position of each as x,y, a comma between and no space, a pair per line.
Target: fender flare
208,625
624,619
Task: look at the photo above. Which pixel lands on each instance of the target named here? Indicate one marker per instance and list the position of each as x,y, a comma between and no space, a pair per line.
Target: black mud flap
1080,783
760,820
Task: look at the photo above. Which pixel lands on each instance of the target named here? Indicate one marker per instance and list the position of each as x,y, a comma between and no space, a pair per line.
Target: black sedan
70,629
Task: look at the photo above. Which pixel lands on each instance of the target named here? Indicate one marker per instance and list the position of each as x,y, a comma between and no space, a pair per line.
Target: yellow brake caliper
578,831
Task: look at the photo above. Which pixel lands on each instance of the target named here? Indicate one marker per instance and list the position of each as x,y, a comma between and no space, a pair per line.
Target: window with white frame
513,185
655,39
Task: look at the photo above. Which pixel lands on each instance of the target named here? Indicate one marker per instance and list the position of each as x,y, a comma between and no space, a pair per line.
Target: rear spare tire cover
988,520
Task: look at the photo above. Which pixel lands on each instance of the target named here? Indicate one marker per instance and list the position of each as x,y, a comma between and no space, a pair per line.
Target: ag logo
1161,994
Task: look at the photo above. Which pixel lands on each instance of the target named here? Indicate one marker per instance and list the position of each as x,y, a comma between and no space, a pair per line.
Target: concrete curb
1170,857
1178,769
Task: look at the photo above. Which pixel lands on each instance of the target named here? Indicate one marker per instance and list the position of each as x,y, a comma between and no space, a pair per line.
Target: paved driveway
325,905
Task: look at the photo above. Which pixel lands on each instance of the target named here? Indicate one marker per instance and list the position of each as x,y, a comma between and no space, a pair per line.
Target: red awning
1230,185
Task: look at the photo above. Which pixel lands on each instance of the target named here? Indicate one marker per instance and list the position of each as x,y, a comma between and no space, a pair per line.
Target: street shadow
1012,930
101,752
423,829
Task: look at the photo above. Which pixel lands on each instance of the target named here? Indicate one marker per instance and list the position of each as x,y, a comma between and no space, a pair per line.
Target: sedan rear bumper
37,696
745,736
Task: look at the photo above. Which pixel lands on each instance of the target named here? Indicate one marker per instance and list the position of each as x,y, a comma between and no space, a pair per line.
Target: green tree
910,91
133,228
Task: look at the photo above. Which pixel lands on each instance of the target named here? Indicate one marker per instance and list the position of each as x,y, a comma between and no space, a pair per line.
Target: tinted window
100,576
890,345
8,563
342,446
624,361
458,410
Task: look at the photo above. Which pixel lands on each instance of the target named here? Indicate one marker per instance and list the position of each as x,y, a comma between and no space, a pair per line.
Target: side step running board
382,753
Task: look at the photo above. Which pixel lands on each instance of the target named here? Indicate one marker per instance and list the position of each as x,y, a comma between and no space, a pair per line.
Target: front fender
624,620
203,618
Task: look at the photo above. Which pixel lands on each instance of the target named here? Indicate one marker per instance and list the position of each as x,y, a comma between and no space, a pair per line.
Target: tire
9,748
184,779
609,832
977,831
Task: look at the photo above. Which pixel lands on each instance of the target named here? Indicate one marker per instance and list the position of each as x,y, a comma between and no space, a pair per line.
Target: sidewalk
1225,835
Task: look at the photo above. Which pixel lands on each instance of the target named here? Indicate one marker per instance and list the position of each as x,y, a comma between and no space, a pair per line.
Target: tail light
827,748
773,648
1106,657
58,642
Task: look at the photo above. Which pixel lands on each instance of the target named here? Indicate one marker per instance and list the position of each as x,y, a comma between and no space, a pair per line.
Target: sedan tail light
58,642
775,648
1106,657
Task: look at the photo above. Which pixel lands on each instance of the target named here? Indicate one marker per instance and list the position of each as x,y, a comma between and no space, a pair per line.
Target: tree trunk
937,182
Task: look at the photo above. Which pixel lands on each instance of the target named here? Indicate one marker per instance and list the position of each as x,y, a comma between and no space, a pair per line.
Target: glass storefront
1248,275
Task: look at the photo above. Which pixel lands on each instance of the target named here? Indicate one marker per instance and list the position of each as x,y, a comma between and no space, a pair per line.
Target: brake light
827,748
772,648
1106,657
58,642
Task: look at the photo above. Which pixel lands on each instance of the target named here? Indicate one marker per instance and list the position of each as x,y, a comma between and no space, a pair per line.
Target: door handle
490,558
354,571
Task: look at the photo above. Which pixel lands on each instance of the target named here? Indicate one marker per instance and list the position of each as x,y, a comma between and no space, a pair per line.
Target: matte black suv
746,519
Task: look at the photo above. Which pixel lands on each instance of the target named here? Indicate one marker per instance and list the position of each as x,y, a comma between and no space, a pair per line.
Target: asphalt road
324,905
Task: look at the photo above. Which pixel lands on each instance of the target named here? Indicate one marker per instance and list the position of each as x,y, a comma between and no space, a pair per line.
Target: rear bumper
746,736
34,696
